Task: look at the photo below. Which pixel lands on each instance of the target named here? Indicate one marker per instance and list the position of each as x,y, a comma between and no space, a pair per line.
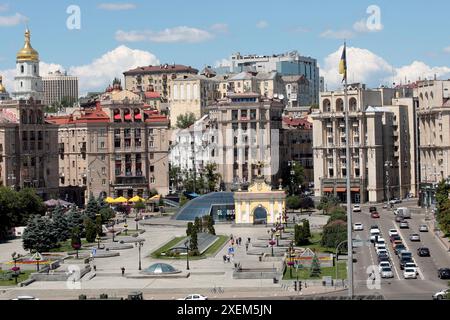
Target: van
403,212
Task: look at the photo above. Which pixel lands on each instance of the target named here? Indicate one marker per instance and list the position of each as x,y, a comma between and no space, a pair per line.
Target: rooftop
166,68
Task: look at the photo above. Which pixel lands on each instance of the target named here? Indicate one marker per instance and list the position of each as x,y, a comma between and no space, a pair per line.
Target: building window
102,145
73,164
152,180
103,182
103,170
152,168
102,157
22,70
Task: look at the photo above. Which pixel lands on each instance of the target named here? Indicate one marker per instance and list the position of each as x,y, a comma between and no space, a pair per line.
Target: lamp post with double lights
388,165
139,245
186,245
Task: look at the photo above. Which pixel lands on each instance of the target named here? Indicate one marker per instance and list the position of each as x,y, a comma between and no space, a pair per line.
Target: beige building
249,130
156,78
434,126
116,147
380,145
58,86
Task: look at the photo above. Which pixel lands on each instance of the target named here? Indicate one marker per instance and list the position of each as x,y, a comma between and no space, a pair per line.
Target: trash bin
260,258
275,280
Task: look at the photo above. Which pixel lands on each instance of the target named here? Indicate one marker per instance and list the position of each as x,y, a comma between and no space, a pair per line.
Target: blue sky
203,32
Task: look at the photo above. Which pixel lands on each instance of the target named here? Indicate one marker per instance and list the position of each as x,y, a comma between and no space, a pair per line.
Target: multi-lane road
427,282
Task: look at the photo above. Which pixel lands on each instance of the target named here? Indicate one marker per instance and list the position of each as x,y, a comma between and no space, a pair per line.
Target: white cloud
220,28
300,30
4,7
262,24
223,63
169,35
96,75
9,21
447,50
366,67
337,34
117,6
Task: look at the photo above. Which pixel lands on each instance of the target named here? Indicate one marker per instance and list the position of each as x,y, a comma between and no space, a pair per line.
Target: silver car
423,228
386,272
414,237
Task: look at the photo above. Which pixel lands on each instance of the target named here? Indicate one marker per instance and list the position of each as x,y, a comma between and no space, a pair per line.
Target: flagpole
349,194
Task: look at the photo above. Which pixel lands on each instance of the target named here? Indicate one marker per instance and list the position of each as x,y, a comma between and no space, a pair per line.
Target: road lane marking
419,271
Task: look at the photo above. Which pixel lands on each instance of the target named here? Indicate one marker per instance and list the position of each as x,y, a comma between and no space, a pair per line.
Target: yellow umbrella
120,200
157,197
109,200
136,199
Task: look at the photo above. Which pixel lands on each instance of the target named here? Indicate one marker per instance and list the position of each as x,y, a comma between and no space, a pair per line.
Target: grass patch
24,275
315,244
326,271
66,246
129,232
212,250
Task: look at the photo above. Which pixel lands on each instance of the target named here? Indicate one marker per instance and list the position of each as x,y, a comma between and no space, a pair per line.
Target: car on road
372,209
381,243
403,212
411,265
396,242
423,252
375,215
384,264
383,258
414,237
25,298
423,228
358,226
382,251
399,248
399,218
386,272
409,273
356,208
374,234
395,201
404,261
444,273
441,295
393,232
194,296
394,238
404,225
405,255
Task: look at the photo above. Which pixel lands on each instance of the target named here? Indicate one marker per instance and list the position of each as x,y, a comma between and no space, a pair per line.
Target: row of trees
45,233
335,231
200,225
299,202
16,208
443,206
203,182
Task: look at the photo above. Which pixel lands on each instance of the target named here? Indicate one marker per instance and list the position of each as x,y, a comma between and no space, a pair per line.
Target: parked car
409,273
382,251
395,201
399,248
374,234
356,208
404,261
381,243
412,265
405,254
358,226
386,272
414,237
423,228
396,242
399,218
423,252
393,232
375,215
444,273
372,209
395,237
404,225
25,298
441,295
384,264
194,296
383,258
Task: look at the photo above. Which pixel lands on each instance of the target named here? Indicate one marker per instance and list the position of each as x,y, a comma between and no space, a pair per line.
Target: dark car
399,248
444,273
423,252
405,261
383,257
372,209
375,215
395,237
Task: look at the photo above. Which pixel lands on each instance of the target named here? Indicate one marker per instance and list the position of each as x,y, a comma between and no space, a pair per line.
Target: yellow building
260,204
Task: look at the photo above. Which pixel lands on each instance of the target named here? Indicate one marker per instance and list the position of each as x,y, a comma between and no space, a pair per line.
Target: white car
386,272
441,294
25,298
384,264
410,273
356,208
393,232
381,243
411,265
374,233
382,251
194,296
358,227
414,237
423,228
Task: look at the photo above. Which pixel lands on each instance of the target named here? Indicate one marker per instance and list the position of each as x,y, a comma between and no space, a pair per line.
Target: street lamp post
98,241
272,243
186,244
113,231
139,244
387,165
126,229
37,262
337,248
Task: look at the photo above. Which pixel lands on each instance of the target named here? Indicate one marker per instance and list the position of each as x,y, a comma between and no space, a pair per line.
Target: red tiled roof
152,95
96,115
295,122
168,68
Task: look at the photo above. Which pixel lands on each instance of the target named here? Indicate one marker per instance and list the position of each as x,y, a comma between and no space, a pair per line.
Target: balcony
130,181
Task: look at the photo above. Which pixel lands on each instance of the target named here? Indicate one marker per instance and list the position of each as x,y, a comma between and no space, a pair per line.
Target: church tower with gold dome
3,93
27,83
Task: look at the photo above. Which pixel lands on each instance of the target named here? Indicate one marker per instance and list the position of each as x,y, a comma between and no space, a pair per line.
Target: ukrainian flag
343,63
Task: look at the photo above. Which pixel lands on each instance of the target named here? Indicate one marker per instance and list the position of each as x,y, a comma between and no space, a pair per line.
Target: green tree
9,204
306,228
29,204
185,120
190,227
107,214
183,200
293,202
315,270
328,202
60,224
91,230
208,224
193,243
99,225
212,176
39,235
76,239
140,205
300,236
92,208
198,226
334,233
338,213
75,220
306,203
293,176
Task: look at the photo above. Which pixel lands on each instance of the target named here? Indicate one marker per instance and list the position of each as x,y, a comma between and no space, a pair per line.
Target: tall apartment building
156,78
433,114
59,86
28,144
117,147
380,145
249,138
287,64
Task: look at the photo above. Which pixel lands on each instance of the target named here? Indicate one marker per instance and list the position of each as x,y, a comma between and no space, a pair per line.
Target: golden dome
2,88
27,53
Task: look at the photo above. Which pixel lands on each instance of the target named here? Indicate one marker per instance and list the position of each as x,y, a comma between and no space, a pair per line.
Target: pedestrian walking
123,271
95,268
246,247
224,258
248,240
240,240
228,258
